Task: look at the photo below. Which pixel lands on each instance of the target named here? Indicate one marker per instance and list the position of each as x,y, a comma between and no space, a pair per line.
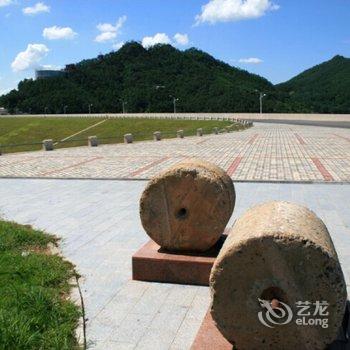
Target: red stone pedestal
153,264
209,337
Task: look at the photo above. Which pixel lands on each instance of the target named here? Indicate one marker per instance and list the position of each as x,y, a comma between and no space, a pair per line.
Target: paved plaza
266,152
100,228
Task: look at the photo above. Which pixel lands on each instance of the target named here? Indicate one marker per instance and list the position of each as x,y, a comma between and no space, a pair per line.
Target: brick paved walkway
100,227
266,152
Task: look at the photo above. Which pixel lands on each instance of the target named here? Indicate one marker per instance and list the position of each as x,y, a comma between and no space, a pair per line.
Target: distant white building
3,111
48,73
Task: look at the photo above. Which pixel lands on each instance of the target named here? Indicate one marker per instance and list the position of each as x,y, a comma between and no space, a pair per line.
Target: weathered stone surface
180,134
128,138
92,141
48,145
157,136
200,132
282,251
187,207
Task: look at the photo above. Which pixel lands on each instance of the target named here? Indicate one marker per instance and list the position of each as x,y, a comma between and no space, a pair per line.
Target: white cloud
56,33
181,39
107,27
234,10
163,38
4,3
159,38
29,58
106,36
39,7
251,60
117,46
109,31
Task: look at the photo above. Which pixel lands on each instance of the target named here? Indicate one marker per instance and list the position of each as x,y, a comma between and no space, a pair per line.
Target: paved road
327,123
100,227
266,152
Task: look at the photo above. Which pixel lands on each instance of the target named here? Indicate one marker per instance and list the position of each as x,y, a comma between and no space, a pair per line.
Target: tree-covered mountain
200,82
146,78
324,88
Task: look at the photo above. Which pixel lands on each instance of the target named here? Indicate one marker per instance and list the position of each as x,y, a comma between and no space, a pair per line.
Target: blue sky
273,38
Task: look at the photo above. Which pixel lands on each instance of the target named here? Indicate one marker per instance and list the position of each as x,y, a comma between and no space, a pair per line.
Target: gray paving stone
266,152
156,339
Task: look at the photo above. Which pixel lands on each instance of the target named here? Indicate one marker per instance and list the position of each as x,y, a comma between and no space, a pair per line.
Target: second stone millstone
187,207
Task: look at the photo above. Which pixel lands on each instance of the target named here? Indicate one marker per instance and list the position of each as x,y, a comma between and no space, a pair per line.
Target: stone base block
48,145
128,138
92,141
157,136
180,134
209,337
153,264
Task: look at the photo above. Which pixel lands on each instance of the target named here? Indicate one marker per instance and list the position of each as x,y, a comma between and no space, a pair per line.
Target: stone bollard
92,141
200,132
157,136
216,131
180,134
128,138
200,198
48,145
277,254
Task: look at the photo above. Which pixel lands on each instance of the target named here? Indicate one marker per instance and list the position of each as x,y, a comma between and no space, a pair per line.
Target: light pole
90,105
124,103
65,109
261,97
174,102
45,110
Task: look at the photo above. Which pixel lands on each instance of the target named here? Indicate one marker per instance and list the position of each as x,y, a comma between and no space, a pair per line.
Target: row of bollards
48,145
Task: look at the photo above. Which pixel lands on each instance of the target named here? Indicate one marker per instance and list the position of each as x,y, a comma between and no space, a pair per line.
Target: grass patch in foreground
27,130
34,285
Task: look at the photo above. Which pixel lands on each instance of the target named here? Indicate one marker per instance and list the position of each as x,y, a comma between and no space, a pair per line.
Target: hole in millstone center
274,295
182,214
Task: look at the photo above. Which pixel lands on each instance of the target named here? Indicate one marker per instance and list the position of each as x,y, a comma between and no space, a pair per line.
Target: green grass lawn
34,310
24,131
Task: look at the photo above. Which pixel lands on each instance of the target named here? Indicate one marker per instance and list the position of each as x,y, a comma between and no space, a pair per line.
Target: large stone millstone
187,207
283,252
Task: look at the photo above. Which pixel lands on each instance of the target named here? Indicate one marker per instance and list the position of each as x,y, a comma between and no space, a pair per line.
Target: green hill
202,84
324,88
